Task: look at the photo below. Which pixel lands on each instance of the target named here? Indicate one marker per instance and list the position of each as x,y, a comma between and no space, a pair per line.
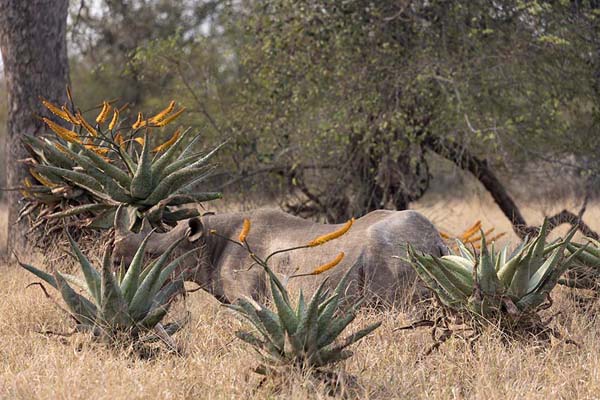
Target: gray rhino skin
376,242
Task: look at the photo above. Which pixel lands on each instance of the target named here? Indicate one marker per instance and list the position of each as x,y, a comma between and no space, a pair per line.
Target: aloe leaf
272,325
355,337
92,277
153,317
175,166
507,270
83,310
159,165
141,184
131,280
486,273
585,257
462,282
78,178
540,275
166,294
141,301
287,316
325,357
174,182
111,170
40,274
113,304
79,210
170,268
464,251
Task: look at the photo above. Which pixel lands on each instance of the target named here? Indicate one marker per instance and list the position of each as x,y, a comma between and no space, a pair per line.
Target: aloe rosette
305,335
496,283
115,165
132,302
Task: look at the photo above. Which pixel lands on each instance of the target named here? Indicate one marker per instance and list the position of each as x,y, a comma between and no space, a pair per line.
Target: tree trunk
34,52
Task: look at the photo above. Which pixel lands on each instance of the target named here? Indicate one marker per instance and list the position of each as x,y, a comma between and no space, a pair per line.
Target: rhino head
191,231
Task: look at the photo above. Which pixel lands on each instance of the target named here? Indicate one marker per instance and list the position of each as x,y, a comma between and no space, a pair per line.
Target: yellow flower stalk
471,231
61,148
120,141
168,143
71,118
41,179
478,237
101,118
114,120
139,123
170,118
245,230
324,267
444,235
25,193
55,110
62,132
97,149
161,115
140,140
86,125
331,236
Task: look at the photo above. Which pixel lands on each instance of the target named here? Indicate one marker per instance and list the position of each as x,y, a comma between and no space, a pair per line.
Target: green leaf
83,310
131,280
92,277
141,184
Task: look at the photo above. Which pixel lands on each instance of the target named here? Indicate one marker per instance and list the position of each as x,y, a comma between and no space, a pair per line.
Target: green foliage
115,166
584,273
128,304
305,335
496,285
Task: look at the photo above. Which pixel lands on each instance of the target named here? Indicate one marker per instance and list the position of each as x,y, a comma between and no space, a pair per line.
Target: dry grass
217,366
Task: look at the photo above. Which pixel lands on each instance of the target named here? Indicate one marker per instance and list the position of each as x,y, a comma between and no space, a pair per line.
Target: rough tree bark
34,52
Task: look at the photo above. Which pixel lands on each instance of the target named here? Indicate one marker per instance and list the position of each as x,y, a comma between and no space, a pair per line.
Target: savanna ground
216,365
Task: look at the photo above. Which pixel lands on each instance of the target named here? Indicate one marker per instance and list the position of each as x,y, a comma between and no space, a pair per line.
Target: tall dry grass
216,365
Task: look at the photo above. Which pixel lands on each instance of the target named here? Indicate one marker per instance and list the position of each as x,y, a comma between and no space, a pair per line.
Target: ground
216,365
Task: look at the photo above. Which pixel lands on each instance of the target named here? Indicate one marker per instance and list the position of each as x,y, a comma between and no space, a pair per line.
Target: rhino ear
195,229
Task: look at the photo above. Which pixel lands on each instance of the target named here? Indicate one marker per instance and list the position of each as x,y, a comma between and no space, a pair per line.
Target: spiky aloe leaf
130,282
486,273
94,208
308,327
153,317
287,316
113,171
141,184
330,356
170,268
457,274
92,277
188,162
507,271
83,310
335,328
40,274
113,306
176,181
167,157
272,325
141,301
77,178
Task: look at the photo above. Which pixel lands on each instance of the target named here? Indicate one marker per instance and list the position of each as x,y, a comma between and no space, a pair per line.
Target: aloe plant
115,165
584,272
496,285
304,335
131,303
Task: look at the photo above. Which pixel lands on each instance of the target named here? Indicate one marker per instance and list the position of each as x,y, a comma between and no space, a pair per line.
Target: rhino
375,245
